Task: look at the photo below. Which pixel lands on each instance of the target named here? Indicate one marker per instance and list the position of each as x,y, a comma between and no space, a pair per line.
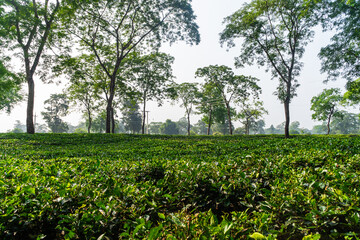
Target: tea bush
97,186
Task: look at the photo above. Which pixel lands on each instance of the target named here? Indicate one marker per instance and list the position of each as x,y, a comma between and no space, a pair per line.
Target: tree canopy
113,29
342,56
274,34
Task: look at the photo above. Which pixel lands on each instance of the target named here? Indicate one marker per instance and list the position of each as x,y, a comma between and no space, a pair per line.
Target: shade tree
111,30
274,34
210,105
187,95
150,75
251,111
230,87
56,106
326,105
29,27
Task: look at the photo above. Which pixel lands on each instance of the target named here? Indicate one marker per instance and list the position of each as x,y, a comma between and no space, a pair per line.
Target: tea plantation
93,186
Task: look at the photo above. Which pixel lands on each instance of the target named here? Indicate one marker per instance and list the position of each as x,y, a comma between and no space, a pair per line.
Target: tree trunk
229,118
287,118
144,116
328,123
90,121
30,128
112,121
247,127
109,106
209,125
188,127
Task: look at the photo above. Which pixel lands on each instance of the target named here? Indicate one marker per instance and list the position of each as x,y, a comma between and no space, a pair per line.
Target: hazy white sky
210,15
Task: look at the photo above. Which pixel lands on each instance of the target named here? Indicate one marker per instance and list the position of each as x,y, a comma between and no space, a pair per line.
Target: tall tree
29,24
83,76
347,123
250,112
231,87
131,116
274,33
342,56
169,128
210,104
187,94
151,76
325,105
113,29
56,107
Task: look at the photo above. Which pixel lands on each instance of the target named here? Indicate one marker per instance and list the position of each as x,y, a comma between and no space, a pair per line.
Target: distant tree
271,130
274,33
111,30
210,105
347,123
151,76
320,129
325,105
187,95
250,112
341,56
182,125
240,131
258,127
41,128
200,128
83,75
29,26
230,87
56,107
10,86
169,128
18,127
154,127
131,116
295,127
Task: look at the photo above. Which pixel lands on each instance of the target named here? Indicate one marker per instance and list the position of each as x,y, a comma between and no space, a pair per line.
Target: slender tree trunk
112,121
188,126
247,126
90,121
229,118
287,118
144,116
30,128
210,119
109,106
328,122
287,108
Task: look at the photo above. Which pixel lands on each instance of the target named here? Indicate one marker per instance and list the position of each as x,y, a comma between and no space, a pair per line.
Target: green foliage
10,86
187,94
131,117
56,107
341,56
227,86
169,128
346,123
352,96
96,186
274,34
325,105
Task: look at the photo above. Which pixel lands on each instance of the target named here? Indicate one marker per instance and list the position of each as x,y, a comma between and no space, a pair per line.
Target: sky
210,16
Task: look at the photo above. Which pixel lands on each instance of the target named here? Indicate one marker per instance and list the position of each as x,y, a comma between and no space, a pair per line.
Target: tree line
108,50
